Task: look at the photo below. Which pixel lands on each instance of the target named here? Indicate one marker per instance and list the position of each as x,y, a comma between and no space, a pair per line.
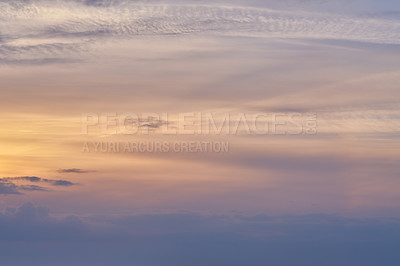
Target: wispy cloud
62,183
9,185
32,188
68,29
74,170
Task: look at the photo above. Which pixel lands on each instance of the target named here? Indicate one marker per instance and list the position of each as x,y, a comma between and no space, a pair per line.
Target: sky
310,93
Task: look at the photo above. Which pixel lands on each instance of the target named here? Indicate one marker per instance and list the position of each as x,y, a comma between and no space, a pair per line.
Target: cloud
26,178
37,62
8,186
67,30
38,179
194,239
33,223
62,183
32,188
152,123
74,170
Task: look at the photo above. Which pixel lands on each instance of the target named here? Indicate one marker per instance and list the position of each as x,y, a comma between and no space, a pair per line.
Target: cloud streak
74,171
9,185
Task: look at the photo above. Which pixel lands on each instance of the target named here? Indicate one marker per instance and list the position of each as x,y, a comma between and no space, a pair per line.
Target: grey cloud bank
30,235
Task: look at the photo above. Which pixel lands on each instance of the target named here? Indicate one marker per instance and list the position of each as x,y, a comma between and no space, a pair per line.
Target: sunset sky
328,194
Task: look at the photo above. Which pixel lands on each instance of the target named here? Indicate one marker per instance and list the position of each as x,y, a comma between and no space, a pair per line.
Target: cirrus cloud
66,31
